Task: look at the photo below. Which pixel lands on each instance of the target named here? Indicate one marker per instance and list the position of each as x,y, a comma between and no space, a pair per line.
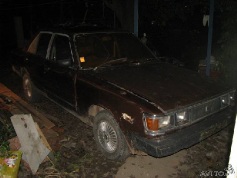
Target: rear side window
40,44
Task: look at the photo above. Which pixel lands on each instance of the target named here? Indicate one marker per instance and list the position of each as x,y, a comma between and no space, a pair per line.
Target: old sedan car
132,100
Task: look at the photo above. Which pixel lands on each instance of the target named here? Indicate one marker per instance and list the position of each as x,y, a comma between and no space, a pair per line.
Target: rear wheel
109,138
31,93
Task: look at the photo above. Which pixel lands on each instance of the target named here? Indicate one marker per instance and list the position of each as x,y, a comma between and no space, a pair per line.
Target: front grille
204,109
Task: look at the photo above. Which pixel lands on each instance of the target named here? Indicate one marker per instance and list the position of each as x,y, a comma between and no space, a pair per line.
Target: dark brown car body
131,90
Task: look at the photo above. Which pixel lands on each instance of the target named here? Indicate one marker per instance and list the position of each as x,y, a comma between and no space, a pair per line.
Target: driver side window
91,51
60,49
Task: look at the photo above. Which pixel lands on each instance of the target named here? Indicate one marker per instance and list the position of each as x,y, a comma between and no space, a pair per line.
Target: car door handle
26,60
46,69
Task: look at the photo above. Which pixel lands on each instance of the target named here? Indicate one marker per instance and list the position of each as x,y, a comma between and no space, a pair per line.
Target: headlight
181,117
153,123
232,98
225,100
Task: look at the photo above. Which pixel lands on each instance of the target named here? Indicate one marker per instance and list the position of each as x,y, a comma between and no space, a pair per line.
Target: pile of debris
33,135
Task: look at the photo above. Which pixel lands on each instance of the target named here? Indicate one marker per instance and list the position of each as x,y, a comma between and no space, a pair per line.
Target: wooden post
209,44
136,17
19,31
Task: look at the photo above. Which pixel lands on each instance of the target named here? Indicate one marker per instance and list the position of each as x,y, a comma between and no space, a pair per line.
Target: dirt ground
75,155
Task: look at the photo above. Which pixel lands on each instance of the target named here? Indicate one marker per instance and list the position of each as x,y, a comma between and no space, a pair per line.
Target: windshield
103,48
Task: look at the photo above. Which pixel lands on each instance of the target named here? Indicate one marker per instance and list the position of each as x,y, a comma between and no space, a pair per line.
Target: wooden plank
24,107
57,121
42,137
6,91
15,110
46,122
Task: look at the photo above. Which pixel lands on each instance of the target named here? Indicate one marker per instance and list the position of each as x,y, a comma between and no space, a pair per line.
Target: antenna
84,19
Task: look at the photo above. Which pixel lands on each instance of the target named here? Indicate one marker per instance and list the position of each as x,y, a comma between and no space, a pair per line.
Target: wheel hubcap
107,137
27,87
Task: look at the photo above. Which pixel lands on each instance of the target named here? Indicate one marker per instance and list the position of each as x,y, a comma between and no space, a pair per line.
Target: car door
36,56
59,72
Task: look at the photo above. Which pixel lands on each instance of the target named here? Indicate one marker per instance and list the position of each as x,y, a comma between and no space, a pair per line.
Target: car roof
70,30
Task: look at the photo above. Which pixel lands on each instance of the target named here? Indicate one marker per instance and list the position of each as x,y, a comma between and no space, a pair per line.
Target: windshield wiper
114,61
142,61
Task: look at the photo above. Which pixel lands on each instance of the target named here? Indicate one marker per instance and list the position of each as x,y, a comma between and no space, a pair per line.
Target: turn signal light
152,124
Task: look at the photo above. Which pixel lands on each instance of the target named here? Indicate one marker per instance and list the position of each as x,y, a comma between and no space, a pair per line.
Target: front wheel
109,138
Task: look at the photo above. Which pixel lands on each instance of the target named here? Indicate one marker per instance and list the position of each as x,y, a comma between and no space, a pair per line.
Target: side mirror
64,62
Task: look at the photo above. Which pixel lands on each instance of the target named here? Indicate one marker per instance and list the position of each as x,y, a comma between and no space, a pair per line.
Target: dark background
173,27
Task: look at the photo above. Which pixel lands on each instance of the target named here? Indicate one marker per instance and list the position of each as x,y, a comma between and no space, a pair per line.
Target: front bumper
185,137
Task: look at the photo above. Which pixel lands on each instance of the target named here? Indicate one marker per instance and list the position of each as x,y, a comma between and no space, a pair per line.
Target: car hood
166,86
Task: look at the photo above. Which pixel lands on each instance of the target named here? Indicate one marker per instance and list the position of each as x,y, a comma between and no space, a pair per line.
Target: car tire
30,91
109,138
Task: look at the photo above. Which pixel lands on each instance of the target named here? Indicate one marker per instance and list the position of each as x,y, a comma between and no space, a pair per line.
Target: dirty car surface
132,100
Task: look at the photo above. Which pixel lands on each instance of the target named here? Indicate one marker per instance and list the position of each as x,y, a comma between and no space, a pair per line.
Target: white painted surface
233,155
33,149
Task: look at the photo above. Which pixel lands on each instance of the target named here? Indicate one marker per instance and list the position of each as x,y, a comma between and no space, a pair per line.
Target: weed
4,149
6,132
